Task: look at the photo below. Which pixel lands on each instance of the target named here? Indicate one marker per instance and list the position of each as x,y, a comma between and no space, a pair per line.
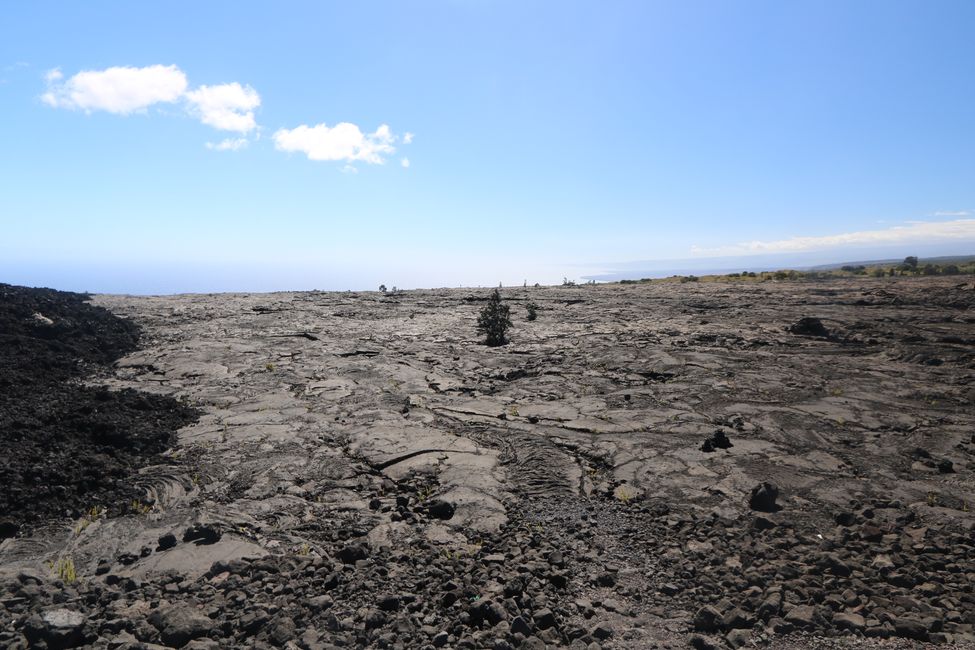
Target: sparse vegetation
64,570
382,288
494,320
92,515
424,493
532,310
911,267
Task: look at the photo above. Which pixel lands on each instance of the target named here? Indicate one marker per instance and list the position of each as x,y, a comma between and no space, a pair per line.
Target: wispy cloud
913,232
951,213
229,144
342,142
405,163
228,107
120,90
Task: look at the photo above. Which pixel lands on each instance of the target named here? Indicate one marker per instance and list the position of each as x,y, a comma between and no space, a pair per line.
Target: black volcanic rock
763,498
201,534
440,509
64,445
717,440
809,327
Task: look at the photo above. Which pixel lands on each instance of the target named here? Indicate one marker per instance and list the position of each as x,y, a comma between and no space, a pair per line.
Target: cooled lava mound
66,446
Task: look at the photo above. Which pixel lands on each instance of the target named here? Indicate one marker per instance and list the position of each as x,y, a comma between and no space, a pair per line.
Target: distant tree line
911,266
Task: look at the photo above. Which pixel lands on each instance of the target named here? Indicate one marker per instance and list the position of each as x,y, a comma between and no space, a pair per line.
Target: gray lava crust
366,473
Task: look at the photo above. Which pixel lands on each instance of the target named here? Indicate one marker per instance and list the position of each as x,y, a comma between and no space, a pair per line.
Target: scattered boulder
602,631
762,523
544,619
763,498
835,565
202,534
844,518
803,616
179,625
910,629
352,553
606,579
700,643
717,440
389,603
520,626
849,621
8,529
809,327
770,606
375,619
870,533
57,628
166,542
738,637
736,618
707,619
440,509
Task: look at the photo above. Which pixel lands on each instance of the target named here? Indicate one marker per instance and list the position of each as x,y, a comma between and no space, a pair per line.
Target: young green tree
494,320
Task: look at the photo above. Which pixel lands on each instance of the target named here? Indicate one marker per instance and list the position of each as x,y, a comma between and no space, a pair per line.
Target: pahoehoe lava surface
783,464
66,446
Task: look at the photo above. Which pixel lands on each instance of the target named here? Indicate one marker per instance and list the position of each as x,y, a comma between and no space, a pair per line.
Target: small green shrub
494,320
532,309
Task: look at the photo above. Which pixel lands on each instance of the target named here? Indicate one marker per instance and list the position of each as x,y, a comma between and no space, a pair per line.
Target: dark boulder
440,509
717,440
166,542
179,625
809,327
56,628
763,498
202,534
352,553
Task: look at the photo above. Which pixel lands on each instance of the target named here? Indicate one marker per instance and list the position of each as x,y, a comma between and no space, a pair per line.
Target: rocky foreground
659,465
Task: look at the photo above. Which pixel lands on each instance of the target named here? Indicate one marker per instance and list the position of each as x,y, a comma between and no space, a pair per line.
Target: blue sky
187,146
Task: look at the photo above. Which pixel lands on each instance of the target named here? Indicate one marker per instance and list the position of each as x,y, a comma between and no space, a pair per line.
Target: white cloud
913,232
121,90
229,144
951,213
344,141
228,107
